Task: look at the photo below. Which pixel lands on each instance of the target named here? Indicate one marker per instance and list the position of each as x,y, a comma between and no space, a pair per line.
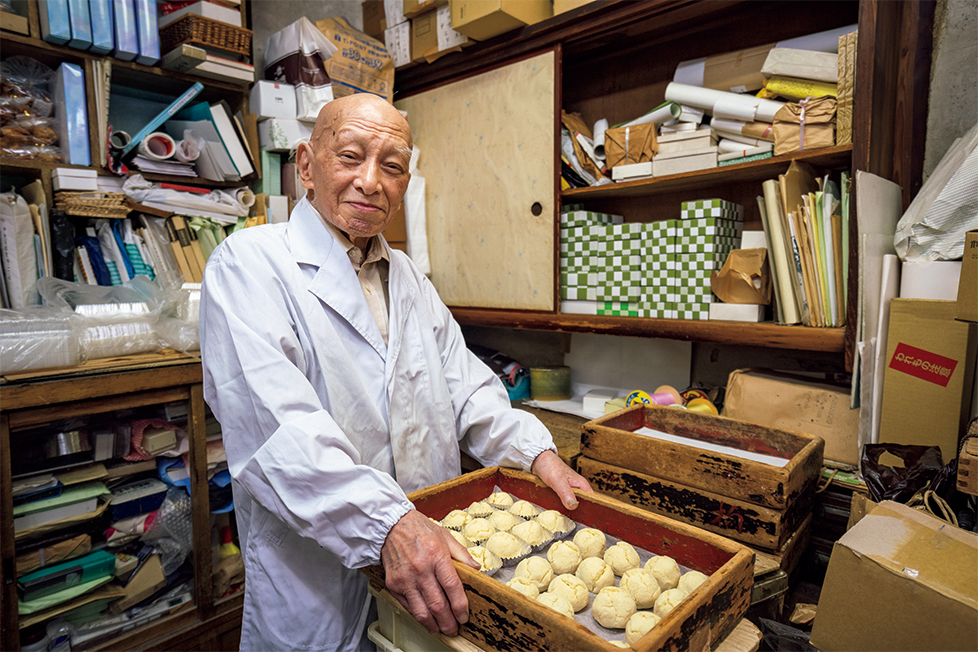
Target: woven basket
197,30
107,204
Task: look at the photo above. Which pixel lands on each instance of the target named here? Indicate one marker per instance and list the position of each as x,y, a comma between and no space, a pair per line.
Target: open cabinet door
487,156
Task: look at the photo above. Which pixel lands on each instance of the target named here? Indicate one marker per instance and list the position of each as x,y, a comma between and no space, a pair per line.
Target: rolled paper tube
759,130
737,138
599,128
119,139
706,98
638,396
550,383
667,389
245,197
158,146
734,108
702,405
187,151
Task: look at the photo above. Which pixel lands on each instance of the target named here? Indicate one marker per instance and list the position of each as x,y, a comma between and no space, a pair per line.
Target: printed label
922,364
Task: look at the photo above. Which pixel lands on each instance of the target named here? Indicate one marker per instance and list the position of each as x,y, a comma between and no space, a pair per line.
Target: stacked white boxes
708,231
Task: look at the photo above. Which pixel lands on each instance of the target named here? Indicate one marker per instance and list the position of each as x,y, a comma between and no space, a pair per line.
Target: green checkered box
701,260
579,279
617,308
579,293
625,247
712,208
697,230
692,313
584,247
707,244
633,262
571,208
613,276
586,232
683,275
585,218
661,229
619,292
660,247
619,313
656,313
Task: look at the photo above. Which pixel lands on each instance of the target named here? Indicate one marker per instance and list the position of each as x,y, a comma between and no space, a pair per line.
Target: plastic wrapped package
171,531
116,320
17,251
38,338
178,325
27,128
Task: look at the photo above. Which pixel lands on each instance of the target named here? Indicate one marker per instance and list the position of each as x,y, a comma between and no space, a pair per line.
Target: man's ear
304,161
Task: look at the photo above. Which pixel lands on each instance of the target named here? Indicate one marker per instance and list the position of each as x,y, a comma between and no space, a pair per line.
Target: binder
81,24
102,26
153,125
224,122
124,27
55,24
147,32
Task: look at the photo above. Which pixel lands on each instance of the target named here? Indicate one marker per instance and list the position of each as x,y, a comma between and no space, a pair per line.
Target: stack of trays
708,231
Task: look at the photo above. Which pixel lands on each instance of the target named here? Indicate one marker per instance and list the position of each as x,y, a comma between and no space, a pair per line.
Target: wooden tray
612,439
502,619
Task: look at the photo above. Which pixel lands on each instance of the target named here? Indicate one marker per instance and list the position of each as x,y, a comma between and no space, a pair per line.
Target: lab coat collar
312,244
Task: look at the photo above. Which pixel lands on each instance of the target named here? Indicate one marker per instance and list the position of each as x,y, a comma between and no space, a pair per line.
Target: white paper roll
827,41
726,145
659,115
737,138
599,128
766,110
245,197
187,151
734,108
690,115
706,98
158,146
733,126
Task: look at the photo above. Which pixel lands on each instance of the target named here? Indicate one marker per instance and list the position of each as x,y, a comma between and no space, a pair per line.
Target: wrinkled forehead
371,121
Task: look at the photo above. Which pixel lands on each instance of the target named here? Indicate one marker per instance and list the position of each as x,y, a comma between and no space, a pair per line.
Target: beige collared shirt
373,273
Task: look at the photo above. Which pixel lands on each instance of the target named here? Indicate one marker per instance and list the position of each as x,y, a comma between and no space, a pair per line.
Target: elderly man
343,383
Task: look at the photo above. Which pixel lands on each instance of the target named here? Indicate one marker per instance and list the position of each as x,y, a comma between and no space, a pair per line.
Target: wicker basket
197,30
93,204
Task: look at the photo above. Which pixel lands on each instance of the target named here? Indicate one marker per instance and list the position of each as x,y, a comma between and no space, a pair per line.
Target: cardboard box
688,477
281,135
736,72
502,619
147,580
414,8
794,402
560,6
900,579
270,99
967,482
686,141
968,284
930,372
374,22
397,40
483,19
680,162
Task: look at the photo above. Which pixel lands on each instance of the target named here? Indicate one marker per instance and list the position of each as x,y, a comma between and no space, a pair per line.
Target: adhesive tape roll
638,396
671,391
245,197
119,139
550,383
690,394
158,146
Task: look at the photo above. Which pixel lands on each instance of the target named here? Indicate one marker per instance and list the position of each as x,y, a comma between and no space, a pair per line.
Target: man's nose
368,176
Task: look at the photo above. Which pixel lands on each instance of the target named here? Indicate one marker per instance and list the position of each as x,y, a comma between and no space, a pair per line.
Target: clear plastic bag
38,338
26,109
172,530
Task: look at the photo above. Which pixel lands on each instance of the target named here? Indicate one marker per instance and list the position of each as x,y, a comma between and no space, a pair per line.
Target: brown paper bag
744,278
574,123
626,145
819,122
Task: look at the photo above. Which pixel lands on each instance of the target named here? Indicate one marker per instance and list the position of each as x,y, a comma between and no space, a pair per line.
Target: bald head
356,164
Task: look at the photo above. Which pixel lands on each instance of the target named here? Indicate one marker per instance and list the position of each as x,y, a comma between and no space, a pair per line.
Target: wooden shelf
839,157
802,338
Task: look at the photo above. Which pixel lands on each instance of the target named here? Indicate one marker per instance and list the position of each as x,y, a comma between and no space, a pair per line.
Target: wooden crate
502,619
612,439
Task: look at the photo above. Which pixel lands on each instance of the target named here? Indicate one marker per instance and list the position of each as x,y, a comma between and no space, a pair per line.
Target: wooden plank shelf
802,338
836,157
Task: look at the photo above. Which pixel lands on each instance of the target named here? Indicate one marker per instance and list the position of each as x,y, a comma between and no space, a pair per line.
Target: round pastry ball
456,519
478,530
486,559
639,625
536,570
666,571
591,542
504,521
621,557
461,538
595,573
532,532
555,521
524,586
500,500
479,509
556,602
689,581
564,556
642,586
524,509
667,601
505,545
571,588
613,607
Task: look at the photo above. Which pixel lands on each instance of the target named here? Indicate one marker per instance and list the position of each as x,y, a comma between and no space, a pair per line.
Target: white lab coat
326,428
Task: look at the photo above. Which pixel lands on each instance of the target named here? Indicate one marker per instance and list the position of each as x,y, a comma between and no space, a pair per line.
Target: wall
269,16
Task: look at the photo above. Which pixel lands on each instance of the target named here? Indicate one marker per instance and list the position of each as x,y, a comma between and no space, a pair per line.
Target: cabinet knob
537,208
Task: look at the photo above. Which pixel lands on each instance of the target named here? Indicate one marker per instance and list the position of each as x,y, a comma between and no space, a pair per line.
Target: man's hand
417,558
559,477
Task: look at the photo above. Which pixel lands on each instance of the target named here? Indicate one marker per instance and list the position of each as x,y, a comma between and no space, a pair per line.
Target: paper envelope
626,145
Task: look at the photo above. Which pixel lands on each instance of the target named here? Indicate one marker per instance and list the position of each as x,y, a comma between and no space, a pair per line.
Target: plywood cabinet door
487,147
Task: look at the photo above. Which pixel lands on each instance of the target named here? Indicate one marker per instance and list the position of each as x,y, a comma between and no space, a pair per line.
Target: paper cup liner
490,562
445,522
525,510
